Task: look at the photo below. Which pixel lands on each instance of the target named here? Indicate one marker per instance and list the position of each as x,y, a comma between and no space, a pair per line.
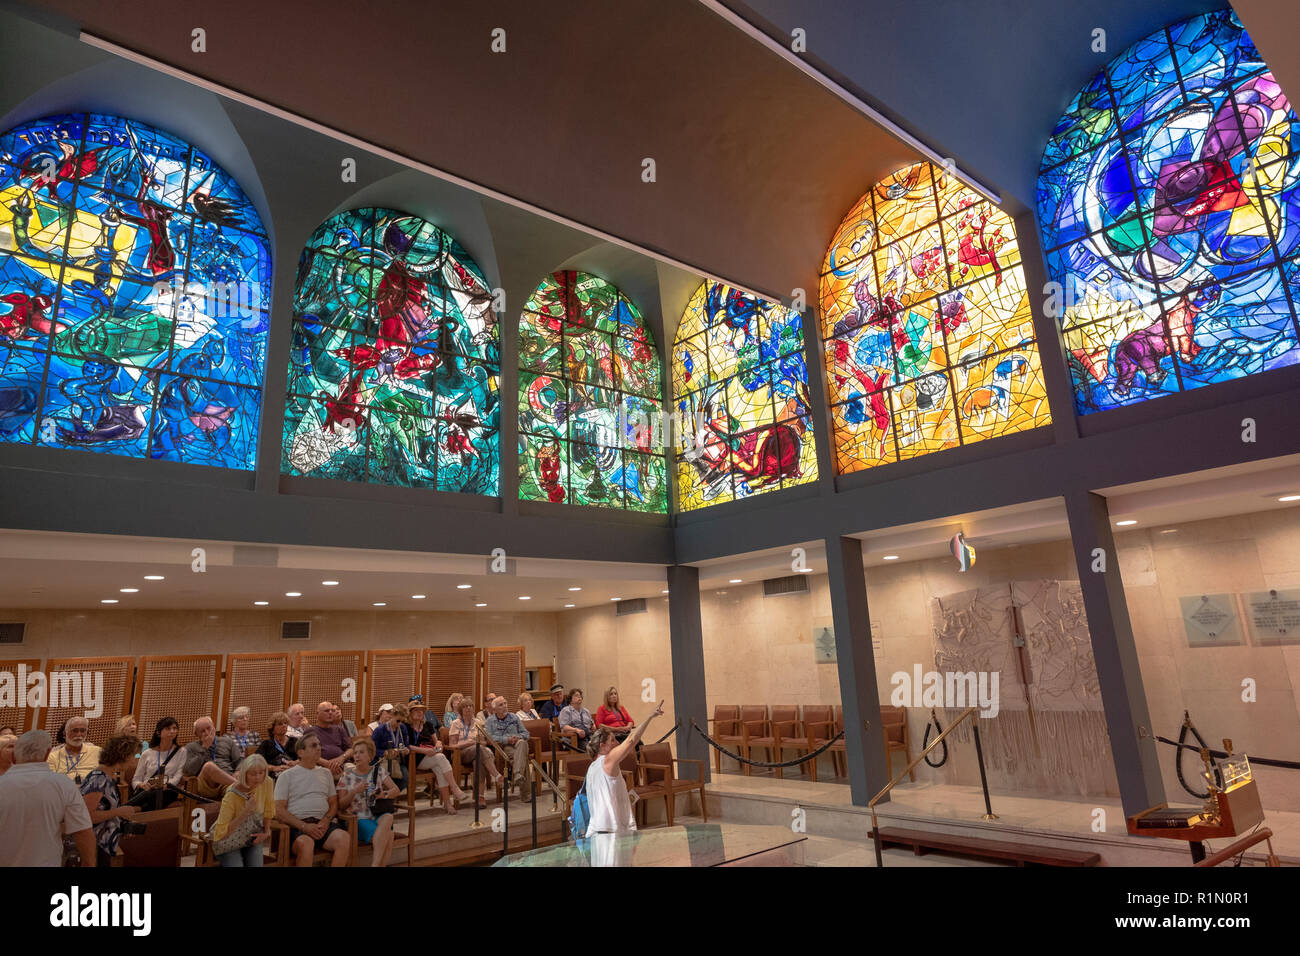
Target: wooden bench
1022,854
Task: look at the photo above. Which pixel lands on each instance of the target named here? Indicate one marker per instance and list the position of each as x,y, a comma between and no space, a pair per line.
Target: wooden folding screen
117,671
503,672
259,682
184,686
320,675
450,670
391,678
20,717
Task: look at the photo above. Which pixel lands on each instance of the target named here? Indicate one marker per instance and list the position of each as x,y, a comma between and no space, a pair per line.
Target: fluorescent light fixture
1126,522
129,590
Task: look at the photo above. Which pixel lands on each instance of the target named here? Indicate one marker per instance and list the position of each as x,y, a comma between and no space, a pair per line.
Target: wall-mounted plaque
1211,620
1274,616
824,645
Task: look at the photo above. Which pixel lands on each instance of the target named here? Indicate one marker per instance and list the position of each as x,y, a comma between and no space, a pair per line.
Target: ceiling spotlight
805,570
417,597
109,601
330,584
1125,523
1289,498
481,604
664,591
463,587
575,589
293,594
129,590
153,577
380,604
261,603
890,557
568,605
735,581
616,599
525,597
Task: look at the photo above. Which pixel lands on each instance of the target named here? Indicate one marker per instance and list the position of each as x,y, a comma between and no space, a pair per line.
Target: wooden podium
1228,813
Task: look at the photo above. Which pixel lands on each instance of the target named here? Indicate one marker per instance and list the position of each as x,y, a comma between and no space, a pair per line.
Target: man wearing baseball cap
550,710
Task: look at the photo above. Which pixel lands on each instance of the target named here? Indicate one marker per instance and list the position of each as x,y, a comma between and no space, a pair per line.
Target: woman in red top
611,714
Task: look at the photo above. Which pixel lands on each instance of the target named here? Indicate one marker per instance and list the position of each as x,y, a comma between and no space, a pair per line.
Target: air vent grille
632,606
255,556
792,584
295,630
11,632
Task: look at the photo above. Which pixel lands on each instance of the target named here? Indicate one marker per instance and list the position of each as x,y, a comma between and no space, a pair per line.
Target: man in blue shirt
510,733
550,709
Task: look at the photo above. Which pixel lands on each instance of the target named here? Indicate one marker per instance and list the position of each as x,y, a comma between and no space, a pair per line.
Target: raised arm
630,741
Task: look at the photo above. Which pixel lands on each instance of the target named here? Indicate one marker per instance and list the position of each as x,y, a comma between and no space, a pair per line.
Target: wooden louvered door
391,678
18,716
184,686
117,676
503,672
447,671
259,682
321,675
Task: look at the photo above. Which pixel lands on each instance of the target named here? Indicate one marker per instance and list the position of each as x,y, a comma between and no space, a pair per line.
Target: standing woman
161,764
101,794
464,734
247,808
611,808
279,750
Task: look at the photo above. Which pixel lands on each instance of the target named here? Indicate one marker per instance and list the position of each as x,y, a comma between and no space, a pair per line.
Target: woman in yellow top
249,805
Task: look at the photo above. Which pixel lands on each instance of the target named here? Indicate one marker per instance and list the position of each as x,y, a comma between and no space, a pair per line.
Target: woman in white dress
607,797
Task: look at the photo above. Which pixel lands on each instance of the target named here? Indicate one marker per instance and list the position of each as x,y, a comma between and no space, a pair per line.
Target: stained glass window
135,279
925,315
740,387
1170,214
394,367
589,398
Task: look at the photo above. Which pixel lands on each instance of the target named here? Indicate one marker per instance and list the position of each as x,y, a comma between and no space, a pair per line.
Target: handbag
380,805
241,834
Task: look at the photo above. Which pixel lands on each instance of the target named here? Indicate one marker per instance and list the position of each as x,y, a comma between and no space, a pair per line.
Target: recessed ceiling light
261,603
463,587
1125,523
293,594
1289,498
129,590
575,589
417,597
568,605
805,570
380,604
154,577
616,599
330,584
108,601
664,591
735,581
481,604
1170,531
525,597
890,557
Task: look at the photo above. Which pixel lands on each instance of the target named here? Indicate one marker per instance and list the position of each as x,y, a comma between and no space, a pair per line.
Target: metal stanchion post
478,772
555,774
984,782
532,805
505,810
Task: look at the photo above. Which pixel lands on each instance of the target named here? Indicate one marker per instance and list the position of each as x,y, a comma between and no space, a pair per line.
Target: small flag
963,552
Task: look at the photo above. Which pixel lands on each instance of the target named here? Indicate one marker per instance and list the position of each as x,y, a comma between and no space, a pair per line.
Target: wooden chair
753,725
893,724
539,746
838,750
645,790
657,763
461,771
817,723
783,734
726,730
414,775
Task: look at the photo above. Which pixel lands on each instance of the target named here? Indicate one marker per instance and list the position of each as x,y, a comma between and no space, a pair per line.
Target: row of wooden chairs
653,775
781,728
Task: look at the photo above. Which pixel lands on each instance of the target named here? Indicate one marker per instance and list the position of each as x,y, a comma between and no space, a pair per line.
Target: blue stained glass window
1170,214
135,279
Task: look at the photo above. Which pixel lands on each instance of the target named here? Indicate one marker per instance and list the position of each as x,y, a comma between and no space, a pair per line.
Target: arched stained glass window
135,276
394,368
929,339
740,384
589,398
1170,214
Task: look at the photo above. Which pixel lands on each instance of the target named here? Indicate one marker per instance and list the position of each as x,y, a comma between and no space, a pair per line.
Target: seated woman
392,741
248,807
279,750
453,710
358,787
381,717
246,738
424,740
526,710
128,727
161,764
465,732
576,723
614,716
99,788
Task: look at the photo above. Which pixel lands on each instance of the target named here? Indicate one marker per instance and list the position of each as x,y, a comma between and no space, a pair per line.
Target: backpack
579,814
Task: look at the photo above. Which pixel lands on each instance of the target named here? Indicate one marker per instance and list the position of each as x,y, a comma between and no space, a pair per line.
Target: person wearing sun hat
423,728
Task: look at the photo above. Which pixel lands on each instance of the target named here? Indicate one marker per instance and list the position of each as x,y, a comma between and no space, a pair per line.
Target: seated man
76,757
298,722
307,802
212,759
509,732
551,708
335,741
